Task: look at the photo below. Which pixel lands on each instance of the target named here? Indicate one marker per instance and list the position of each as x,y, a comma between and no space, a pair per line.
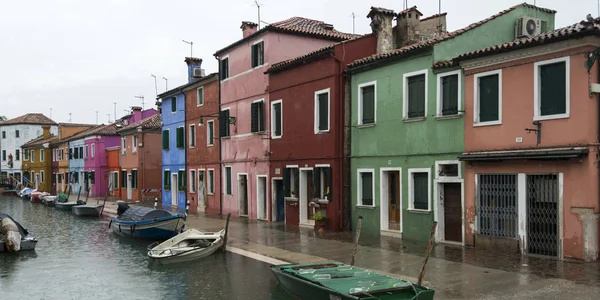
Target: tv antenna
258,6
115,110
108,118
50,112
191,47
96,117
353,21
70,118
166,84
155,86
141,97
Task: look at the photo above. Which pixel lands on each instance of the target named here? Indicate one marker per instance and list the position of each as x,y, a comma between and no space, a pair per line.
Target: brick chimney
46,130
192,63
408,23
248,28
136,111
381,25
433,26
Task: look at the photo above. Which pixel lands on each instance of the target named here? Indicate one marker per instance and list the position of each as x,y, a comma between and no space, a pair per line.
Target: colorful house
531,181
203,146
408,120
76,179
113,155
140,158
309,152
39,162
13,134
245,106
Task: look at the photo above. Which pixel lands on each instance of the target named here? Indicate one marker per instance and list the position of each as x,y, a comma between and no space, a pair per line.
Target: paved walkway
455,272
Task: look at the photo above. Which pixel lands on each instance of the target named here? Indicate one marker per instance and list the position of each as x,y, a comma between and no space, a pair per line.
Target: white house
16,132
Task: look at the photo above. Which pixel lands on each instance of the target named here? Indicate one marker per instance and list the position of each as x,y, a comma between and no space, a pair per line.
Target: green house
407,125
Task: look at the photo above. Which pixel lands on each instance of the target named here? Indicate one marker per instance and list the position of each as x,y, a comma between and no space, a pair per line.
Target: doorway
201,191
129,187
391,201
37,181
306,195
279,201
542,196
243,193
174,189
451,200
261,197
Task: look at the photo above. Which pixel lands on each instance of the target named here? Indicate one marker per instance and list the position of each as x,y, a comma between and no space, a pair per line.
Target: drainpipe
220,153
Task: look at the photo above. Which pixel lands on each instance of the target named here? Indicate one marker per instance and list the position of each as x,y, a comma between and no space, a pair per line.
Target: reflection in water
77,257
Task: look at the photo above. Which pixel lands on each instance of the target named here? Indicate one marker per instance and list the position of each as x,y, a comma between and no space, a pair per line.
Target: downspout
220,152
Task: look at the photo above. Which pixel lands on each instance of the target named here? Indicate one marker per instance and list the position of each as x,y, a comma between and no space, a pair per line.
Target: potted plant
320,220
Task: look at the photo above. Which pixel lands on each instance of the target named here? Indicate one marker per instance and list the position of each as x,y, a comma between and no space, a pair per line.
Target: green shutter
254,55
450,95
416,96
173,104
420,191
165,140
180,137
367,188
167,179
323,116
277,113
368,104
254,117
553,91
228,181
181,184
488,98
200,96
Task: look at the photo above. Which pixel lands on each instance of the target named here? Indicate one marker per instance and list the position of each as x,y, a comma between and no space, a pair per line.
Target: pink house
244,123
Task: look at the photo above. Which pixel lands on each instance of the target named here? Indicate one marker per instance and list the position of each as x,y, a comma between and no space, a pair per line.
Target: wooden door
309,194
452,212
394,200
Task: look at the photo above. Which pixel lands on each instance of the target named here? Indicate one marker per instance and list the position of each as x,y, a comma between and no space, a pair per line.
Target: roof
434,16
528,153
154,122
428,43
414,8
76,125
380,10
298,26
189,84
583,28
444,64
31,118
40,141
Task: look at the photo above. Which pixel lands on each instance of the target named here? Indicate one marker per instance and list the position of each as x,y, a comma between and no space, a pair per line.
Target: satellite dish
531,27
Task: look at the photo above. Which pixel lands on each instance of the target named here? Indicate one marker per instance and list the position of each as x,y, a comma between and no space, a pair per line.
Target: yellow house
37,161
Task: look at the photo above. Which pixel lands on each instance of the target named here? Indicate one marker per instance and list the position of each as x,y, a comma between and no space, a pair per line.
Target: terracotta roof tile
298,25
444,64
76,125
414,8
32,118
40,141
435,40
434,16
154,122
381,10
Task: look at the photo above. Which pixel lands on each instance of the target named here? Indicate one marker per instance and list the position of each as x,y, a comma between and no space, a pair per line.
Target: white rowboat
187,246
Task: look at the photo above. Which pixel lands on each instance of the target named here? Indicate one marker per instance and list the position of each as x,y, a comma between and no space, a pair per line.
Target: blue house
76,166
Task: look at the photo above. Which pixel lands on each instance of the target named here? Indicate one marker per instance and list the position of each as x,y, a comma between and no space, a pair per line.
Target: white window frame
198,104
210,142
226,57
536,89
359,187
476,98
42,155
225,180
411,198
134,141
93,150
32,155
316,110
42,176
192,136
192,181
86,151
439,99
405,92
124,145
360,102
263,116
210,174
264,60
273,103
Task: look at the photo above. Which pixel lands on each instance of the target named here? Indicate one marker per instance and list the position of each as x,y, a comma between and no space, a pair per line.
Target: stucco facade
39,162
113,155
173,152
405,144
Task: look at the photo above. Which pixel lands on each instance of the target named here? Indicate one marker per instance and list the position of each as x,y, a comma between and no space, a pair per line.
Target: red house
307,133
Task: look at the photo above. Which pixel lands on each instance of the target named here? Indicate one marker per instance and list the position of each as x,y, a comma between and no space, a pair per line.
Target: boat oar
358,225
429,246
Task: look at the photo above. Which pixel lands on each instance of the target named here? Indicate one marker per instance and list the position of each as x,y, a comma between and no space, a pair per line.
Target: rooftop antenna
166,84
70,118
115,103
155,86
354,18
108,118
128,111
440,29
141,97
96,117
258,6
191,47
50,112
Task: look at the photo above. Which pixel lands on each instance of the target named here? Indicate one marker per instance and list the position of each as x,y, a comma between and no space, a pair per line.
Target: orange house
113,170
531,144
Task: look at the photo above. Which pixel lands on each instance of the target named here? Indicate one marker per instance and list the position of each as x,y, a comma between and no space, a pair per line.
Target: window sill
192,147
417,119
322,131
211,194
276,137
449,117
491,123
322,201
259,133
365,206
365,125
199,105
211,145
291,199
419,211
225,137
551,117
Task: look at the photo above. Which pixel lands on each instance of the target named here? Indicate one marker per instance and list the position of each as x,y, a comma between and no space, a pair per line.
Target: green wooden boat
337,281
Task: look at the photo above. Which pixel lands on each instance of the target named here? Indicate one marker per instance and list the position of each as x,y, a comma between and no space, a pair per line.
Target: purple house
94,153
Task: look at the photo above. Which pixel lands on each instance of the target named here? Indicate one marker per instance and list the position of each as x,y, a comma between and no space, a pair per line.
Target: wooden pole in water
429,246
79,193
358,226
224,247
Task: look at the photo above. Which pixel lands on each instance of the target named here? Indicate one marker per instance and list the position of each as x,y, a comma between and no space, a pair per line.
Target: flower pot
320,224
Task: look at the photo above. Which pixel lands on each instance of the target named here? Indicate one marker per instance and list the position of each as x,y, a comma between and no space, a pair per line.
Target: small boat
26,192
87,210
66,205
13,237
186,246
145,222
49,200
335,280
36,197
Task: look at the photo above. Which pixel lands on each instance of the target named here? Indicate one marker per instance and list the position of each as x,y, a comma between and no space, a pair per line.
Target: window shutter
165,140
180,137
416,96
261,115
450,95
173,104
277,119
123,179
254,55
552,89
368,103
228,180
286,182
367,188
323,111
223,123
420,196
328,183
93,177
254,117
316,183
261,53
488,98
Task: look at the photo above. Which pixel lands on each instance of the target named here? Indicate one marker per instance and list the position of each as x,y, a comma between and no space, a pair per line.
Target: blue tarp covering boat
145,222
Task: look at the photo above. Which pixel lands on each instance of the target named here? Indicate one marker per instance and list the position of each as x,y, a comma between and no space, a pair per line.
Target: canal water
80,258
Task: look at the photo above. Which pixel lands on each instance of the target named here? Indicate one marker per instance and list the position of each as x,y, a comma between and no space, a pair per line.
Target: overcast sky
79,57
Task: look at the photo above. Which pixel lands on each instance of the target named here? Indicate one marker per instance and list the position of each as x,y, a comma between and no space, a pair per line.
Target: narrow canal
80,258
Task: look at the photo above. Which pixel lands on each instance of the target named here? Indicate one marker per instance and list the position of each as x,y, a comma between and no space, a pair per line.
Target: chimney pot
46,131
381,25
248,28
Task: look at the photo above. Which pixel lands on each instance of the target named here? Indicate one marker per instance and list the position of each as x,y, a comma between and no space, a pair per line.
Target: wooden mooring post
429,247
224,246
358,226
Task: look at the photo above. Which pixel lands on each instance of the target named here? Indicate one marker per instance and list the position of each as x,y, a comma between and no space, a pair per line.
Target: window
32,155
87,153
17,154
93,150
291,182
192,136
211,182
227,181
276,119
70,153
258,54
25,155
224,68
448,93
497,204
181,184
193,180
61,153
257,116
366,182
42,152
124,145
418,189
3,155
488,98
42,176
200,95
180,137
17,133
80,151
173,104
3,134
415,95
322,182
134,179
224,123
115,180
165,139
134,143
92,177
167,180
322,99
210,133
123,179
367,103
552,89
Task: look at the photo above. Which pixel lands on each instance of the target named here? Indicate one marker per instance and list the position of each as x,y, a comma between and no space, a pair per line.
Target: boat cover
22,230
140,213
